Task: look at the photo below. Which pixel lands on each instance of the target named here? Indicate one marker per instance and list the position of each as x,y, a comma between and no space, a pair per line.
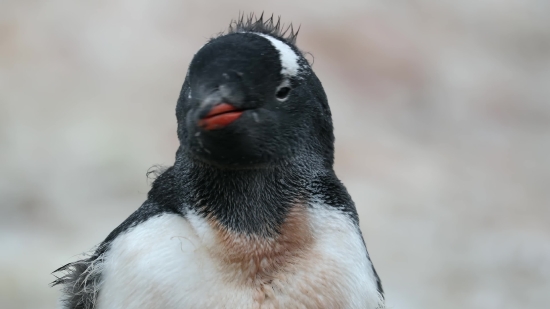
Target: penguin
251,214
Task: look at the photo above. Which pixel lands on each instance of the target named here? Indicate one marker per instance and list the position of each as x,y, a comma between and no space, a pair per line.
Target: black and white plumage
251,214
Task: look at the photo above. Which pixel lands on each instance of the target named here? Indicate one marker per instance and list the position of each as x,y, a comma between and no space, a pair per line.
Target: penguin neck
247,201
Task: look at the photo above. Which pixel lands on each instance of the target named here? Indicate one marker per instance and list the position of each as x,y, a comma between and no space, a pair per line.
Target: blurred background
441,110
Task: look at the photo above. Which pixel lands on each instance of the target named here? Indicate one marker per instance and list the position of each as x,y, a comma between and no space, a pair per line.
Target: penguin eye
282,93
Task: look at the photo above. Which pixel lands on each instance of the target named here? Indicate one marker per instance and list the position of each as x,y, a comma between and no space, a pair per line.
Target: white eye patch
288,58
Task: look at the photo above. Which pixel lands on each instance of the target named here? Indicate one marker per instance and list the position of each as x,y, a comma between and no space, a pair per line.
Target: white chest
172,262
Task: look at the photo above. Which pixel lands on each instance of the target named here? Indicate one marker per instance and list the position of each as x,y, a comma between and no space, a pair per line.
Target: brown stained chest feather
262,258
286,271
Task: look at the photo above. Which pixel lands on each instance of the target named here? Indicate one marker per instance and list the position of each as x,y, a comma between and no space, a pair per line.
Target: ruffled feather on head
270,26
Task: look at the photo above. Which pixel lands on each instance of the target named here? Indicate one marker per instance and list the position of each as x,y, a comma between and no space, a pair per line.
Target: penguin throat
254,201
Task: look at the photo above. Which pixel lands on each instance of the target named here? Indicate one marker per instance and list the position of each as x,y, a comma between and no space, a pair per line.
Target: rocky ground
442,116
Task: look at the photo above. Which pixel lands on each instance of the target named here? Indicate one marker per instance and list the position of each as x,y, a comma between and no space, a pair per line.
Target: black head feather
269,26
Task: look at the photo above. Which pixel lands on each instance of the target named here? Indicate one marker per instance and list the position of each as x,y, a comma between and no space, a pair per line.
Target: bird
251,214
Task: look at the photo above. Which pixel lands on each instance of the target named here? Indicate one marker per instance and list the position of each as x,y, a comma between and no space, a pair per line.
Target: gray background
441,109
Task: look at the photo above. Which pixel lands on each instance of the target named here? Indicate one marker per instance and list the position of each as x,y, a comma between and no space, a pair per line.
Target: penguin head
250,99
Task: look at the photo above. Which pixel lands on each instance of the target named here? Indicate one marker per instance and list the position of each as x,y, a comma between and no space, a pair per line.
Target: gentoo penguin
251,214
